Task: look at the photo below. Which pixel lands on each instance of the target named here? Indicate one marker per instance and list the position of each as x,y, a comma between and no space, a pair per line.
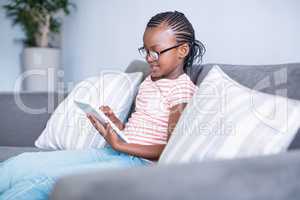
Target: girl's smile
154,70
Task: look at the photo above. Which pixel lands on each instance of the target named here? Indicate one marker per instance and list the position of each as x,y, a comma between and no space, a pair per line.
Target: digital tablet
88,109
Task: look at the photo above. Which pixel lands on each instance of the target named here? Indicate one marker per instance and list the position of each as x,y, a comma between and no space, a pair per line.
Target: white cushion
227,120
69,128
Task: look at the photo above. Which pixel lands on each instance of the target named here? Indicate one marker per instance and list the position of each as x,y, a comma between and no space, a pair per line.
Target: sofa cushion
7,152
282,79
69,128
228,120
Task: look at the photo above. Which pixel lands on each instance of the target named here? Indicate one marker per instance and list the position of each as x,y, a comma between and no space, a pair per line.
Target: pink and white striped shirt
148,124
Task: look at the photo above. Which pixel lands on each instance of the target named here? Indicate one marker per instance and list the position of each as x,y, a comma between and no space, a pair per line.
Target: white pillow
69,128
227,120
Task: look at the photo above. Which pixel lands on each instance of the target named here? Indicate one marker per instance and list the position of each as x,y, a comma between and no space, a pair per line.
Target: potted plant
39,19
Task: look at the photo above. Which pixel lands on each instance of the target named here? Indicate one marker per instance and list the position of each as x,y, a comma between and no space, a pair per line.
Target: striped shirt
148,124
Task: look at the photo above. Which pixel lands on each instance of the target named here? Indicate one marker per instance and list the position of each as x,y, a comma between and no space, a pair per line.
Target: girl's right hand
110,114
106,131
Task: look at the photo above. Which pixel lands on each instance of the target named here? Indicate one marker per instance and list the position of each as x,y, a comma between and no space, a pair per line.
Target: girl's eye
153,55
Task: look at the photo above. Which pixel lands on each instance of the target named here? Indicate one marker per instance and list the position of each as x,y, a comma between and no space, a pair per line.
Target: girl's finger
96,121
108,109
101,108
108,127
105,111
90,118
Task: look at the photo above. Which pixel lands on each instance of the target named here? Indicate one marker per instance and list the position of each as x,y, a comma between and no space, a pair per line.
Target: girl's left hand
105,130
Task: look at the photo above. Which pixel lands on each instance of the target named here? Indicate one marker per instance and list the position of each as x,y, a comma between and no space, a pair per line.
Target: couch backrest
23,116
282,79
19,128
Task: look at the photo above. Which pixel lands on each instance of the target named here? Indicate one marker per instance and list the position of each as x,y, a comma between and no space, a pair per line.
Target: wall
106,34
10,51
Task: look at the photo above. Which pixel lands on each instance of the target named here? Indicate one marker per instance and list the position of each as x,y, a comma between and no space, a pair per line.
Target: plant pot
40,67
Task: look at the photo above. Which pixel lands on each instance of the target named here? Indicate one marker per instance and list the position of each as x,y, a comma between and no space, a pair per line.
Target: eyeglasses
154,55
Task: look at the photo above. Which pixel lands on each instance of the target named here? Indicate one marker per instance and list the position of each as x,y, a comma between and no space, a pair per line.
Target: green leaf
31,14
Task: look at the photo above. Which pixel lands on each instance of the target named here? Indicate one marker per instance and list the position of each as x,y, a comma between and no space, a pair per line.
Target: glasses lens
153,55
143,52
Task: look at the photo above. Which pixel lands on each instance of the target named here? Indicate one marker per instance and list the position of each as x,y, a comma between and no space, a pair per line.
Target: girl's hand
106,131
110,114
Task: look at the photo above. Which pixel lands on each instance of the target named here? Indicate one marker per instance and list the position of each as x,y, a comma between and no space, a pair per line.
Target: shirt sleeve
181,92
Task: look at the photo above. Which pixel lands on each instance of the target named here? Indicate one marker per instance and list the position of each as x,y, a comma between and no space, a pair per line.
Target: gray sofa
266,177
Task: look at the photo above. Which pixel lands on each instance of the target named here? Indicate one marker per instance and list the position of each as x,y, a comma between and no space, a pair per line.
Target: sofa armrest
24,116
260,178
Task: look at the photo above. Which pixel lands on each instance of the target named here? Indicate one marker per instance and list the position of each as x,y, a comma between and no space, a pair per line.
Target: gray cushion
272,177
18,125
8,152
138,66
266,78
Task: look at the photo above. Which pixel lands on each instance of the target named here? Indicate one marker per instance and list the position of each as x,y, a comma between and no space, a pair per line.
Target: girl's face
170,63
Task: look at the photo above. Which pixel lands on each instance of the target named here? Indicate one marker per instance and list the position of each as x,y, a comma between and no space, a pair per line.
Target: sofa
261,177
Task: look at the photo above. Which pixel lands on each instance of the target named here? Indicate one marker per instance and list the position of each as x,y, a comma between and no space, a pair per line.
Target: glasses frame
157,53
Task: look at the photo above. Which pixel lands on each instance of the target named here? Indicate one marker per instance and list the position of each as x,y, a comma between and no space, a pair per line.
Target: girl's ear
183,50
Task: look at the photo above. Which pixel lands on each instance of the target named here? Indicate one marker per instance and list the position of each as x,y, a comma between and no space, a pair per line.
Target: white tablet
88,109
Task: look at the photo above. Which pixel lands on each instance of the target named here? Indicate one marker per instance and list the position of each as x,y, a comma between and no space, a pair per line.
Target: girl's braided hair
184,33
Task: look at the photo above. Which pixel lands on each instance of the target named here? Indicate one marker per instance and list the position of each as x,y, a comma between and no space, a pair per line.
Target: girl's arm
146,151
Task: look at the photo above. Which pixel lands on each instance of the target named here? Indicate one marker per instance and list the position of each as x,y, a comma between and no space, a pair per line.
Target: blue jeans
32,175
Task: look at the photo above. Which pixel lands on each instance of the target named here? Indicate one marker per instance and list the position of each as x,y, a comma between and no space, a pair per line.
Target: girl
170,48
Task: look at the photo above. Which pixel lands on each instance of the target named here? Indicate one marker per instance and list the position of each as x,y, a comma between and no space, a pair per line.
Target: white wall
10,52
105,34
